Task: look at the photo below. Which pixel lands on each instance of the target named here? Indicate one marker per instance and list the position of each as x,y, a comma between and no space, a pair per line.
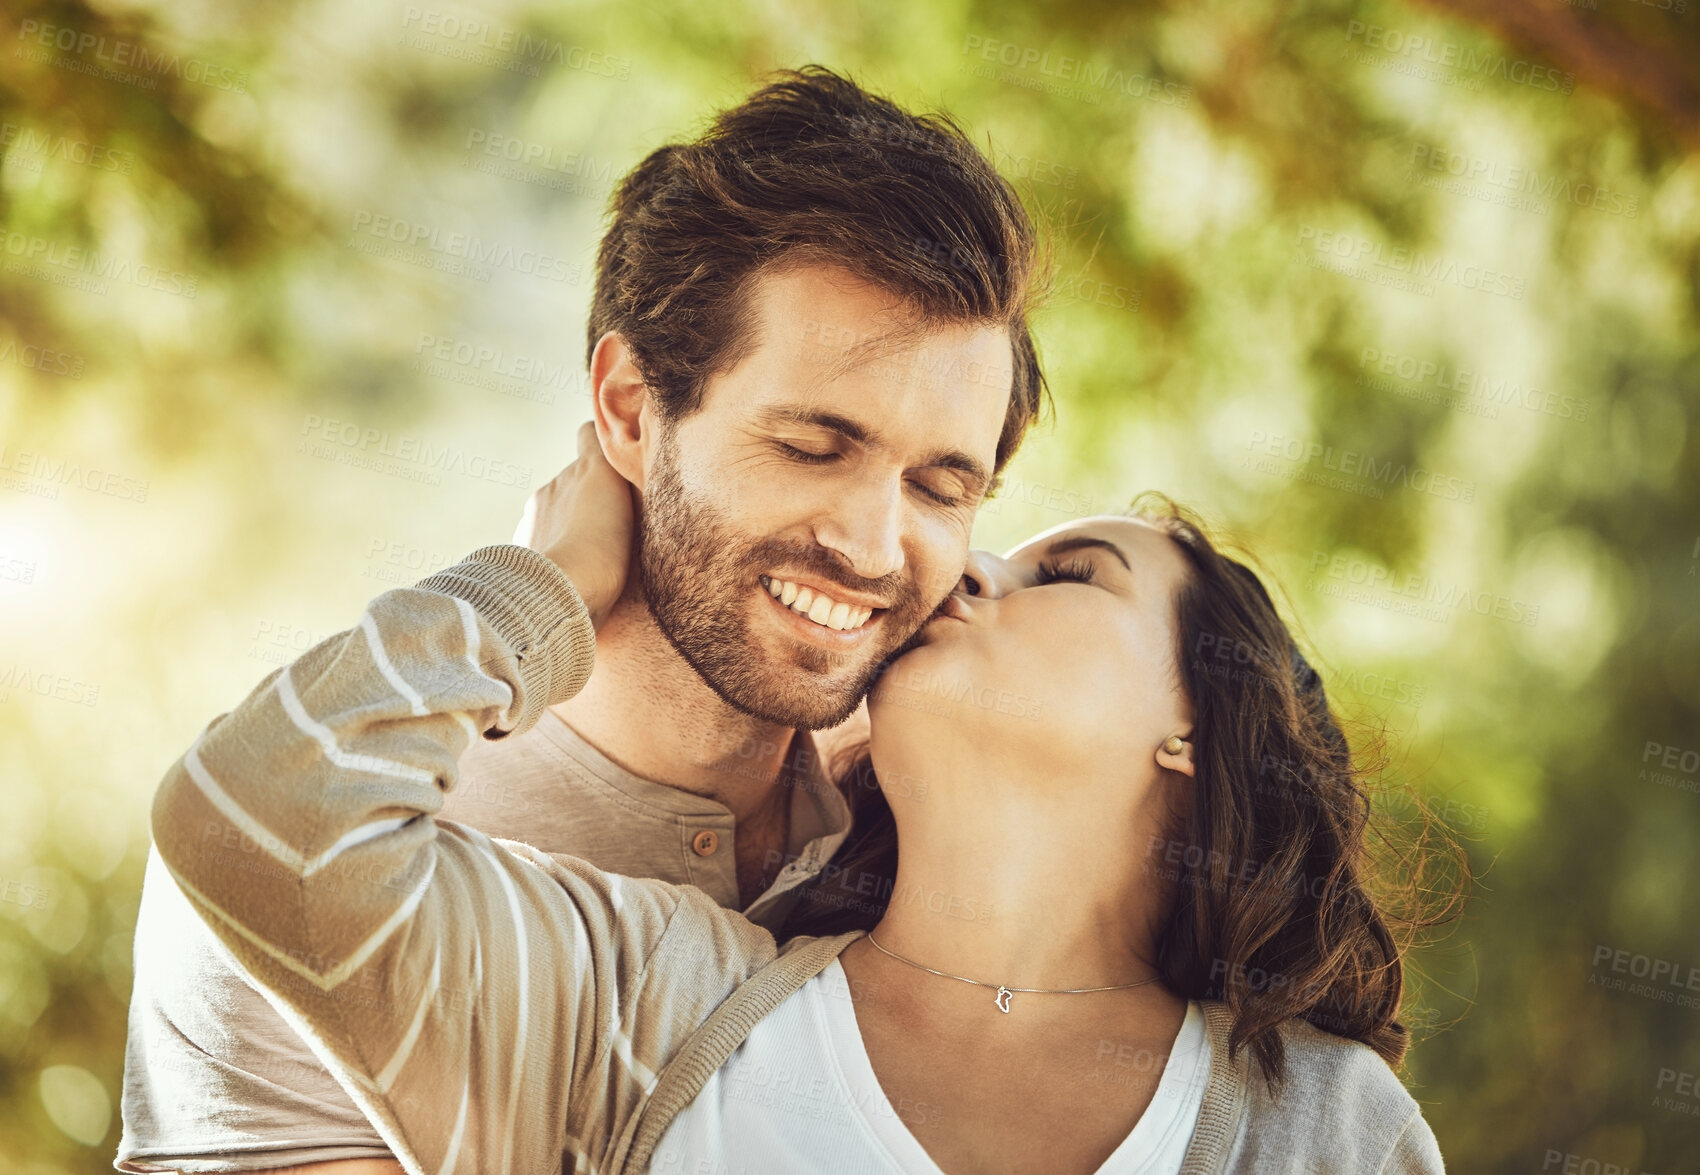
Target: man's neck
646,709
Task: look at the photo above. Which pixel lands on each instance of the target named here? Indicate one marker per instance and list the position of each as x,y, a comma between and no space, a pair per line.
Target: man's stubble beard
697,574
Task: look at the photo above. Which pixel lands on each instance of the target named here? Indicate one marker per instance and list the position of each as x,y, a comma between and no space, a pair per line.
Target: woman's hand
583,521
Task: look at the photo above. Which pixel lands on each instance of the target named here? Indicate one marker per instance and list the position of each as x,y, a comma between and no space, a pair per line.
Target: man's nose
987,576
865,526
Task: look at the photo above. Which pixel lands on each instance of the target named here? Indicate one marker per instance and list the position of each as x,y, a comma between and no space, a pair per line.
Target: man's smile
821,616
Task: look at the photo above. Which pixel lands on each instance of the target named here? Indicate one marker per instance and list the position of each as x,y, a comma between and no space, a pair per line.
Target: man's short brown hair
812,168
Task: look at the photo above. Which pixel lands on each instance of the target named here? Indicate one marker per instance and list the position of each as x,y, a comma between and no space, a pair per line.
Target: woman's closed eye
1073,571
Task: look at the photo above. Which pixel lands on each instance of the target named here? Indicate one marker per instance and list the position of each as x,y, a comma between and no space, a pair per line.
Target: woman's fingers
583,520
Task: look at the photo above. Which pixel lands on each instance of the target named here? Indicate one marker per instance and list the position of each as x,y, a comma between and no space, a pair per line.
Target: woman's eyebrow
1064,545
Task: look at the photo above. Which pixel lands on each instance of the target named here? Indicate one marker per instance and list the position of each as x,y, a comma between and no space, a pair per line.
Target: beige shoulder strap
1224,1106
717,1038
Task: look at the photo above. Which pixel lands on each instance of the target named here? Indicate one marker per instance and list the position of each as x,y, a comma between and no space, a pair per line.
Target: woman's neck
1010,885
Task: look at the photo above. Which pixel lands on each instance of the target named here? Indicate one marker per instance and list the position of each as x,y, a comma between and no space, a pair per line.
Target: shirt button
705,842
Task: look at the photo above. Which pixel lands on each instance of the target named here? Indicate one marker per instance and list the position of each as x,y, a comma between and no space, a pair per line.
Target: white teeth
823,610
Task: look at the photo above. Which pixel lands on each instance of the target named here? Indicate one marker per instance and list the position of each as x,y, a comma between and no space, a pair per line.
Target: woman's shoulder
1323,1066
1338,1096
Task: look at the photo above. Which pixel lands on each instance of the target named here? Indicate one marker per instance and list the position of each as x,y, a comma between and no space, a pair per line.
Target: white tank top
800,1095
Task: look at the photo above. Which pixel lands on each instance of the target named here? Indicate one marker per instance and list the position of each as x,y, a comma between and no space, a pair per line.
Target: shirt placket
707,847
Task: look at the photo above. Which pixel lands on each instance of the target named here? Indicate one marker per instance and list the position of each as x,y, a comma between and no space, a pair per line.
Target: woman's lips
955,607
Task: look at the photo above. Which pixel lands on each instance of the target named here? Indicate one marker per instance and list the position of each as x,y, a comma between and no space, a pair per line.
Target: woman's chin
927,685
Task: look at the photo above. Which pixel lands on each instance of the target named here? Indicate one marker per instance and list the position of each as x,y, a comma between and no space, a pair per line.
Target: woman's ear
625,426
1172,759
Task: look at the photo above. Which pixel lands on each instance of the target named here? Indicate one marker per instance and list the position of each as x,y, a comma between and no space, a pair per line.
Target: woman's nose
987,576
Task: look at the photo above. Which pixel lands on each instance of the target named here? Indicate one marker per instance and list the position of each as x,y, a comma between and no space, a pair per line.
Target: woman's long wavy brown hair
1275,902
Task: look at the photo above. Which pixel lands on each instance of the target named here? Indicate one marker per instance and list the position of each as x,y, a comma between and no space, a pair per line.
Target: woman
1128,894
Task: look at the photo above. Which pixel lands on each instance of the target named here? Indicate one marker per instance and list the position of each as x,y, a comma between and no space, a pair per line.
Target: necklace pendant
1003,999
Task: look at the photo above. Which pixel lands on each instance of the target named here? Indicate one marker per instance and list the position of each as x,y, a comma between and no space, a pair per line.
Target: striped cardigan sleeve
490,1008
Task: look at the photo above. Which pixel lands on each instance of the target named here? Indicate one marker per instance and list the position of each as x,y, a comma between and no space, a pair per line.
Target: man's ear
625,420
1177,760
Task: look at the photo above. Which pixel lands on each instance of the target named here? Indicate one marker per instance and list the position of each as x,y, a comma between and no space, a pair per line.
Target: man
809,358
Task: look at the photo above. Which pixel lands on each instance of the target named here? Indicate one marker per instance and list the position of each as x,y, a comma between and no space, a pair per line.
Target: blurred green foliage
1407,309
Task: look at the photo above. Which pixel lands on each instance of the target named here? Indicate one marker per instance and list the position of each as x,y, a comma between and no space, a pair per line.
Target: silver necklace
1004,991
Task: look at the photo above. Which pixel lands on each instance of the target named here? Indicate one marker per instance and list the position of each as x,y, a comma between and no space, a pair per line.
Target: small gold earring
1173,745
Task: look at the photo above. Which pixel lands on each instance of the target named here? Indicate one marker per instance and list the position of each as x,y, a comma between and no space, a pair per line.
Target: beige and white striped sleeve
470,998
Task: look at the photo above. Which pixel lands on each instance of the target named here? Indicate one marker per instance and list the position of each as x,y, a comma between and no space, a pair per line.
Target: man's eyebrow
964,463
1064,545
956,459
813,418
